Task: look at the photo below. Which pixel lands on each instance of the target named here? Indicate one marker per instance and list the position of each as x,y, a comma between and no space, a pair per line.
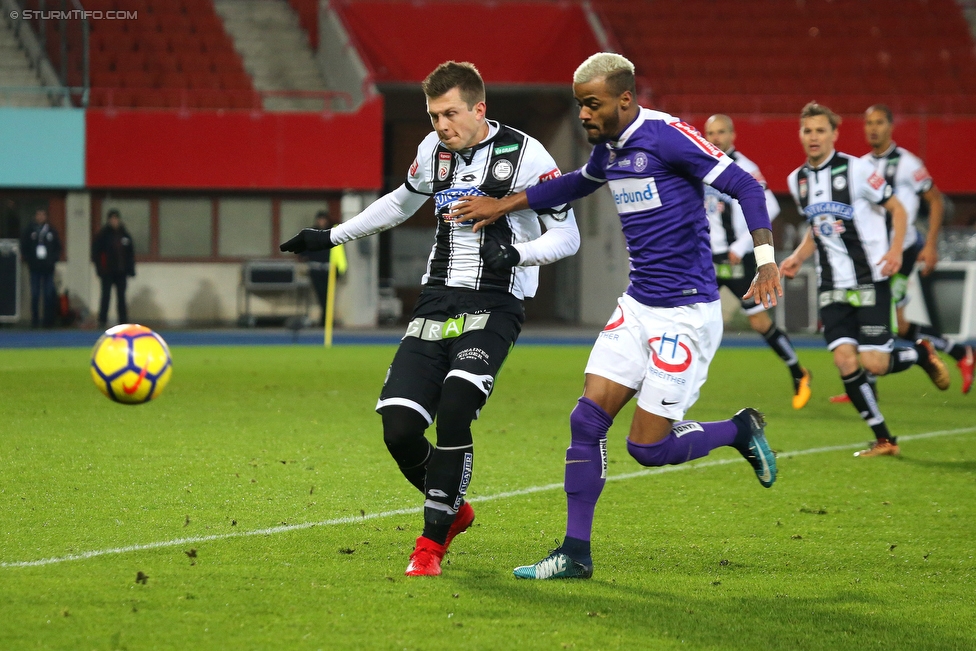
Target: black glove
500,258
309,239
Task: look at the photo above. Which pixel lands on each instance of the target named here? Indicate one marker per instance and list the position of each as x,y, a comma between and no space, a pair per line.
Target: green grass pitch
206,494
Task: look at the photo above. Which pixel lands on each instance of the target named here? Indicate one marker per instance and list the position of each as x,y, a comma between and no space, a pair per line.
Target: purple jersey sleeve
736,182
560,190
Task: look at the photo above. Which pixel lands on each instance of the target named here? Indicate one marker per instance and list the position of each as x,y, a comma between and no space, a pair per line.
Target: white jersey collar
642,115
830,157
887,152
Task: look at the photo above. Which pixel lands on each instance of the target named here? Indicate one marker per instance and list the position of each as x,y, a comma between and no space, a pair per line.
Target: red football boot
426,558
463,520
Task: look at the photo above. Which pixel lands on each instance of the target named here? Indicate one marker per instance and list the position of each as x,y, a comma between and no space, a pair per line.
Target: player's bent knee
651,456
460,402
588,422
401,426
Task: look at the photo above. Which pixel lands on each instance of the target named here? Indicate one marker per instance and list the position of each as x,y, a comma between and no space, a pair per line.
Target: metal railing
55,35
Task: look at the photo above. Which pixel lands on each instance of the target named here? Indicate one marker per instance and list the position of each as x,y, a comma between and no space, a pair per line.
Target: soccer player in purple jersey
667,326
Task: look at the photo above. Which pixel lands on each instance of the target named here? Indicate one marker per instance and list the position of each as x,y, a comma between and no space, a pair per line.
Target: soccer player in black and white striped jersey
733,257
469,313
906,173
840,196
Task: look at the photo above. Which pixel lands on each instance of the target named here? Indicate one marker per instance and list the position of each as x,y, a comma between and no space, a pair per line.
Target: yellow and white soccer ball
131,364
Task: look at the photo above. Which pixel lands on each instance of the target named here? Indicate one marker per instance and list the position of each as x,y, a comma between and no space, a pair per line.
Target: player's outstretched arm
309,239
929,255
765,286
486,210
386,212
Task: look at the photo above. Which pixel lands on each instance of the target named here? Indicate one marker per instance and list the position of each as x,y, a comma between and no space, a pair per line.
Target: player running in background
732,253
667,326
470,312
906,173
839,194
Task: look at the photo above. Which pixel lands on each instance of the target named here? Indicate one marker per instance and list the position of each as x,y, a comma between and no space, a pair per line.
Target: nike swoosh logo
766,475
668,403
134,387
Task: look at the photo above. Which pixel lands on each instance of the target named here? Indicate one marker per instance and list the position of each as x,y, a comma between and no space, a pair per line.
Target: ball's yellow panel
149,353
131,364
111,354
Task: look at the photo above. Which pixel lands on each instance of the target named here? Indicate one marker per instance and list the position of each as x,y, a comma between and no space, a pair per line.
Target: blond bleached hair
616,70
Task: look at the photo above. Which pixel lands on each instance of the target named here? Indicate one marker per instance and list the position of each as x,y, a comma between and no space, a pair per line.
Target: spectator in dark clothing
40,248
115,261
318,264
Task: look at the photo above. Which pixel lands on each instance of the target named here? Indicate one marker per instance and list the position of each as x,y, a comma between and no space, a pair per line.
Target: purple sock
687,440
586,466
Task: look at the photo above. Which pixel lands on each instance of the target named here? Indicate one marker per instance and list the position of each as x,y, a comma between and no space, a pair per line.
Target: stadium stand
16,71
174,54
771,57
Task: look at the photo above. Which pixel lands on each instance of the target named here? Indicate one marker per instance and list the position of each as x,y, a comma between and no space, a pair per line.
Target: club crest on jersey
839,182
502,170
826,226
445,199
640,161
443,165
611,157
669,354
804,189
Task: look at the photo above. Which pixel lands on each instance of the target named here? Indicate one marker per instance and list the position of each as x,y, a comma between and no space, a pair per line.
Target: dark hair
324,214
113,213
812,109
883,108
453,74
621,81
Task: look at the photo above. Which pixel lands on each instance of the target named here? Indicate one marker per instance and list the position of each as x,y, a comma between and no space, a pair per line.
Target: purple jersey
656,171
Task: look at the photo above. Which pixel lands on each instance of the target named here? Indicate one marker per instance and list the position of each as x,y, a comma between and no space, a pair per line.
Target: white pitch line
417,509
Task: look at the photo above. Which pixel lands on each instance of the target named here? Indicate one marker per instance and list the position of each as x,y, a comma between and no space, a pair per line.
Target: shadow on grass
622,615
961,465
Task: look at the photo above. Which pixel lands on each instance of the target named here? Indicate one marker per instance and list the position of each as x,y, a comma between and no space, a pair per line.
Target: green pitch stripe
417,509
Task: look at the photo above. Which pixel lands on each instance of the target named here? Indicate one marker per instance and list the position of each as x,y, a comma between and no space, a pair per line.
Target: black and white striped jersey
906,173
727,224
841,201
506,162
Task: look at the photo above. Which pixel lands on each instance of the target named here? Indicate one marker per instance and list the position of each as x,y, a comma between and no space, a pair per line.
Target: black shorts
865,326
738,278
452,333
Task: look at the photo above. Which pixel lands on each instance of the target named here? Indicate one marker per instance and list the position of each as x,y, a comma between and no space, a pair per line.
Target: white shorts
662,352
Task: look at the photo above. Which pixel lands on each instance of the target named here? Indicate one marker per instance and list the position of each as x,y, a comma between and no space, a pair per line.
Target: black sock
958,352
942,343
448,476
780,342
863,398
577,549
450,466
913,332
904,357
403,433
